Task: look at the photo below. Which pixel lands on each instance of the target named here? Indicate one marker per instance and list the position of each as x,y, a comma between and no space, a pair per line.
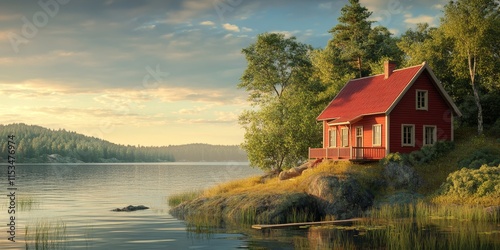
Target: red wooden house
398,111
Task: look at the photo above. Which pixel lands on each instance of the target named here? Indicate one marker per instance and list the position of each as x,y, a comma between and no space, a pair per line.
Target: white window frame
434,134
377,136
412,143
332,132
345,137
426,99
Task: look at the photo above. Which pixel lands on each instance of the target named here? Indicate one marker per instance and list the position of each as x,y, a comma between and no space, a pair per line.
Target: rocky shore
341,196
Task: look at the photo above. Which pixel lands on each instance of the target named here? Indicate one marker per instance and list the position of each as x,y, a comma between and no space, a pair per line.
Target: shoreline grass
45,234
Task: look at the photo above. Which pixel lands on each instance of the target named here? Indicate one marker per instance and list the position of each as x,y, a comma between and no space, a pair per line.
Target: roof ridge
414,66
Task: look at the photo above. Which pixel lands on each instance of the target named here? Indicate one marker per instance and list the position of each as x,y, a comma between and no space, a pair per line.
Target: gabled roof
376,95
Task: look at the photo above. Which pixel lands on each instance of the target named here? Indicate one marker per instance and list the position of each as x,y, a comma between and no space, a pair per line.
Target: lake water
82,196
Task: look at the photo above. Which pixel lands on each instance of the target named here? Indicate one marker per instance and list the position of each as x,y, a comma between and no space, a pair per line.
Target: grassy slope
466,143
365,172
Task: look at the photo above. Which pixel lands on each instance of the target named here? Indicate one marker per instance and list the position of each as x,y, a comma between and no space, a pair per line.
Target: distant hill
41,145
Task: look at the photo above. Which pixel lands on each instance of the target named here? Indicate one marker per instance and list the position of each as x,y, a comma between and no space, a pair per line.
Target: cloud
245,29
287,33
192,111
420,19
231,27
207,23
146,27
438,6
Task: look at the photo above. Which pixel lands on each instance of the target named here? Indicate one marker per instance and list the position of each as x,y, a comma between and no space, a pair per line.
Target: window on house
377,135
429,135
408,135
422,100
345,137
332,135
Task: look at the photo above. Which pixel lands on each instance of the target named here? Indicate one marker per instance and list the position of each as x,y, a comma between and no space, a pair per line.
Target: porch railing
368,153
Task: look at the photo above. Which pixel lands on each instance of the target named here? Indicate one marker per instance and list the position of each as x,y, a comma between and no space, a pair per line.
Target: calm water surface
82,195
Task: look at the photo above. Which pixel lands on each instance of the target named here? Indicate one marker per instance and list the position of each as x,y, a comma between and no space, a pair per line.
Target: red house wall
405,112
326,129
367,122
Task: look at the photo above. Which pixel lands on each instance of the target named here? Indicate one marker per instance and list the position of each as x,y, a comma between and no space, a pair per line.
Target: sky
155,72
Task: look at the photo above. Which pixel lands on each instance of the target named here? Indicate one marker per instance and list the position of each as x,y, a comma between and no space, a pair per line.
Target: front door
359,142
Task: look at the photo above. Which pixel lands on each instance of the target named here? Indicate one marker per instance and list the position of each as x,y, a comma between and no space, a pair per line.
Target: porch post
350,141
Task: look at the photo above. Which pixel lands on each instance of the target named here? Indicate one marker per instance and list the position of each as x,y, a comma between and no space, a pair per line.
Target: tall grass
176,199
23,203
26,203
425,225
45,234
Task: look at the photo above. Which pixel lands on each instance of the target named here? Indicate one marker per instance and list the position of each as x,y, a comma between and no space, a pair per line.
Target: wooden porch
348,153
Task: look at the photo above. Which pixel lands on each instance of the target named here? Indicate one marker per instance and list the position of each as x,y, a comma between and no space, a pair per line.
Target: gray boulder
401,176
340,196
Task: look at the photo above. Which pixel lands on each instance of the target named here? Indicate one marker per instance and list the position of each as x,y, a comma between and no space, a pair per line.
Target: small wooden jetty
264,226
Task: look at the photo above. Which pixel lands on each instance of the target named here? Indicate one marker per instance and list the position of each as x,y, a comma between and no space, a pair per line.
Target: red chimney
389,67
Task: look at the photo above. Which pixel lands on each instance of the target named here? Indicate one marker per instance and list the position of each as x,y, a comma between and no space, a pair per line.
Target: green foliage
475,183
483,156
34,143
398,158
491,109
422,156
430,153
356,42
276,65
472,25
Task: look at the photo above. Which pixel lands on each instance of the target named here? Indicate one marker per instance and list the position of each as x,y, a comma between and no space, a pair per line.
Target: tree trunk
472,60
479,110
359,66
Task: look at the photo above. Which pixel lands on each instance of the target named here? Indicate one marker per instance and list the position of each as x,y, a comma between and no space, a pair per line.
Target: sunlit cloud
231,27
421,19
207,23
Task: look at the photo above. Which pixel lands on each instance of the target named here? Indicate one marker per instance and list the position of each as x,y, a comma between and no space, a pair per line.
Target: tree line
35,144
289,82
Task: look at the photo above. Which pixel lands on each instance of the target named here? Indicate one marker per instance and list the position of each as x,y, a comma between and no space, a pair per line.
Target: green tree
351,34
275,63
281,126
473,27
331,71
430,44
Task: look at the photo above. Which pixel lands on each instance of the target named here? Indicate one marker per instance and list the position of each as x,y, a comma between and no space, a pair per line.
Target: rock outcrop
130,208
400,176
296,171
340,196
250,208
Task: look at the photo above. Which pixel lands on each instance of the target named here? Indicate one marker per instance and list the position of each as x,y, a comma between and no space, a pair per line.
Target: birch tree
473,26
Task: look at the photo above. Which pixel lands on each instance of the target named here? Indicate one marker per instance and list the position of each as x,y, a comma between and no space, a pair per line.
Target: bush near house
480,186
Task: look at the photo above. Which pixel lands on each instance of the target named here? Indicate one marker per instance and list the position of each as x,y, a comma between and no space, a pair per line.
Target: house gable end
435,82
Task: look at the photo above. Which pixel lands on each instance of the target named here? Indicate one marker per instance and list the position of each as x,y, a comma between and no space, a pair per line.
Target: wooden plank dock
299,224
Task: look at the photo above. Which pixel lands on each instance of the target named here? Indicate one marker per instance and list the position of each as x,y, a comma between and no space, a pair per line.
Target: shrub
430,153
398,158
466,183
484,156
425,155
